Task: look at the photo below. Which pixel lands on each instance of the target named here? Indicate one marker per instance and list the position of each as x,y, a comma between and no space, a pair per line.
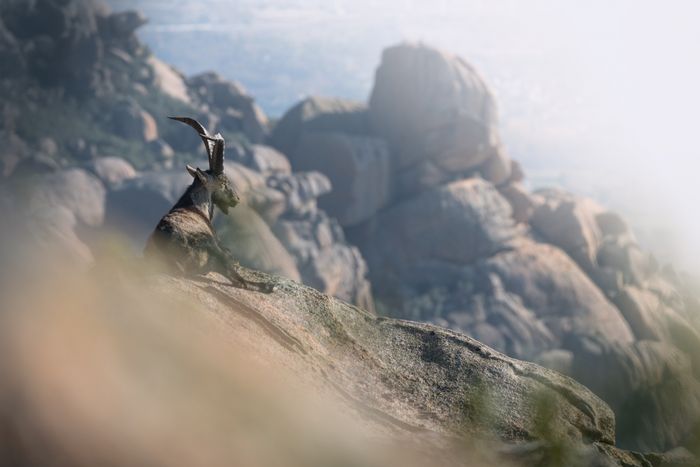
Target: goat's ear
197,174
204,180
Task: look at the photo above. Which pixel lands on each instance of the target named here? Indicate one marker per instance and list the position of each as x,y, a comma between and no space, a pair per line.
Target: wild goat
184,239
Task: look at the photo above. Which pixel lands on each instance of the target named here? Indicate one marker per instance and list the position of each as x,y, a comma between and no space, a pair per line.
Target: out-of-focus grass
99,369
111,375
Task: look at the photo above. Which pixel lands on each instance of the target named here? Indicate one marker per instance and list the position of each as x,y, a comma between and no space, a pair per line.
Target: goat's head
214,179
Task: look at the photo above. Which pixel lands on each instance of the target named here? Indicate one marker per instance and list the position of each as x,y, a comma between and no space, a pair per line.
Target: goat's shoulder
186,221
181,230
183,238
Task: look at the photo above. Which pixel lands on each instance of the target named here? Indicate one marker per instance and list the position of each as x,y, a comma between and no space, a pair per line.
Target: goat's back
182,241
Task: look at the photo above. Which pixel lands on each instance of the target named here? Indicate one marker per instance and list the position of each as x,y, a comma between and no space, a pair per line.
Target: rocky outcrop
67,44
569,223
666,340
452,225
317,242
117,94
551,285
454,237
229,100
318,115
524,300
521,201
124,23
358,167
112,171
420,131
332,136
301,191
169,81
109,95
260,158
81,78
441,124
133,123
597,239
489,314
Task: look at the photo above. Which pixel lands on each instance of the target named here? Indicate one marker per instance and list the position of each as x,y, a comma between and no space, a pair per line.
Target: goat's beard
222,206
223,202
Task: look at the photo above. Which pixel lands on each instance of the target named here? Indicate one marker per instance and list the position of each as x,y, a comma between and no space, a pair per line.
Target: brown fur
184,240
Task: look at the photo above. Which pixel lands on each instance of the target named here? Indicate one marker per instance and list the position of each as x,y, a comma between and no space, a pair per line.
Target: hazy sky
601,96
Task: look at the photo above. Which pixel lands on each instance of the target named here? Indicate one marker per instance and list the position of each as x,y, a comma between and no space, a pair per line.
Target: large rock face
453,224
333,137
440,123
358,167
318,115
557,291
411,369
169,80
490,313
599,240
420,131
524,300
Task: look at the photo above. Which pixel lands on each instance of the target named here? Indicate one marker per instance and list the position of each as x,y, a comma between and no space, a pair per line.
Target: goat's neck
199,198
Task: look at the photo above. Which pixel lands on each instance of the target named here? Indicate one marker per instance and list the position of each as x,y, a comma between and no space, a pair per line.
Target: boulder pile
452,236
115,165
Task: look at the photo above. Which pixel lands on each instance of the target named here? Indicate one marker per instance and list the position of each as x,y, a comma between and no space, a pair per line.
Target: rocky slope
454,237
411,378
185,360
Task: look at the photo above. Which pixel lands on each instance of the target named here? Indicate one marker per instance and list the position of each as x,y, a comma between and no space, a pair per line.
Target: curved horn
217,153
203,133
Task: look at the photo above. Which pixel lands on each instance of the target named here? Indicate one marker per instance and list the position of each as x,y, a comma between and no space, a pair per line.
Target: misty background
598,97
